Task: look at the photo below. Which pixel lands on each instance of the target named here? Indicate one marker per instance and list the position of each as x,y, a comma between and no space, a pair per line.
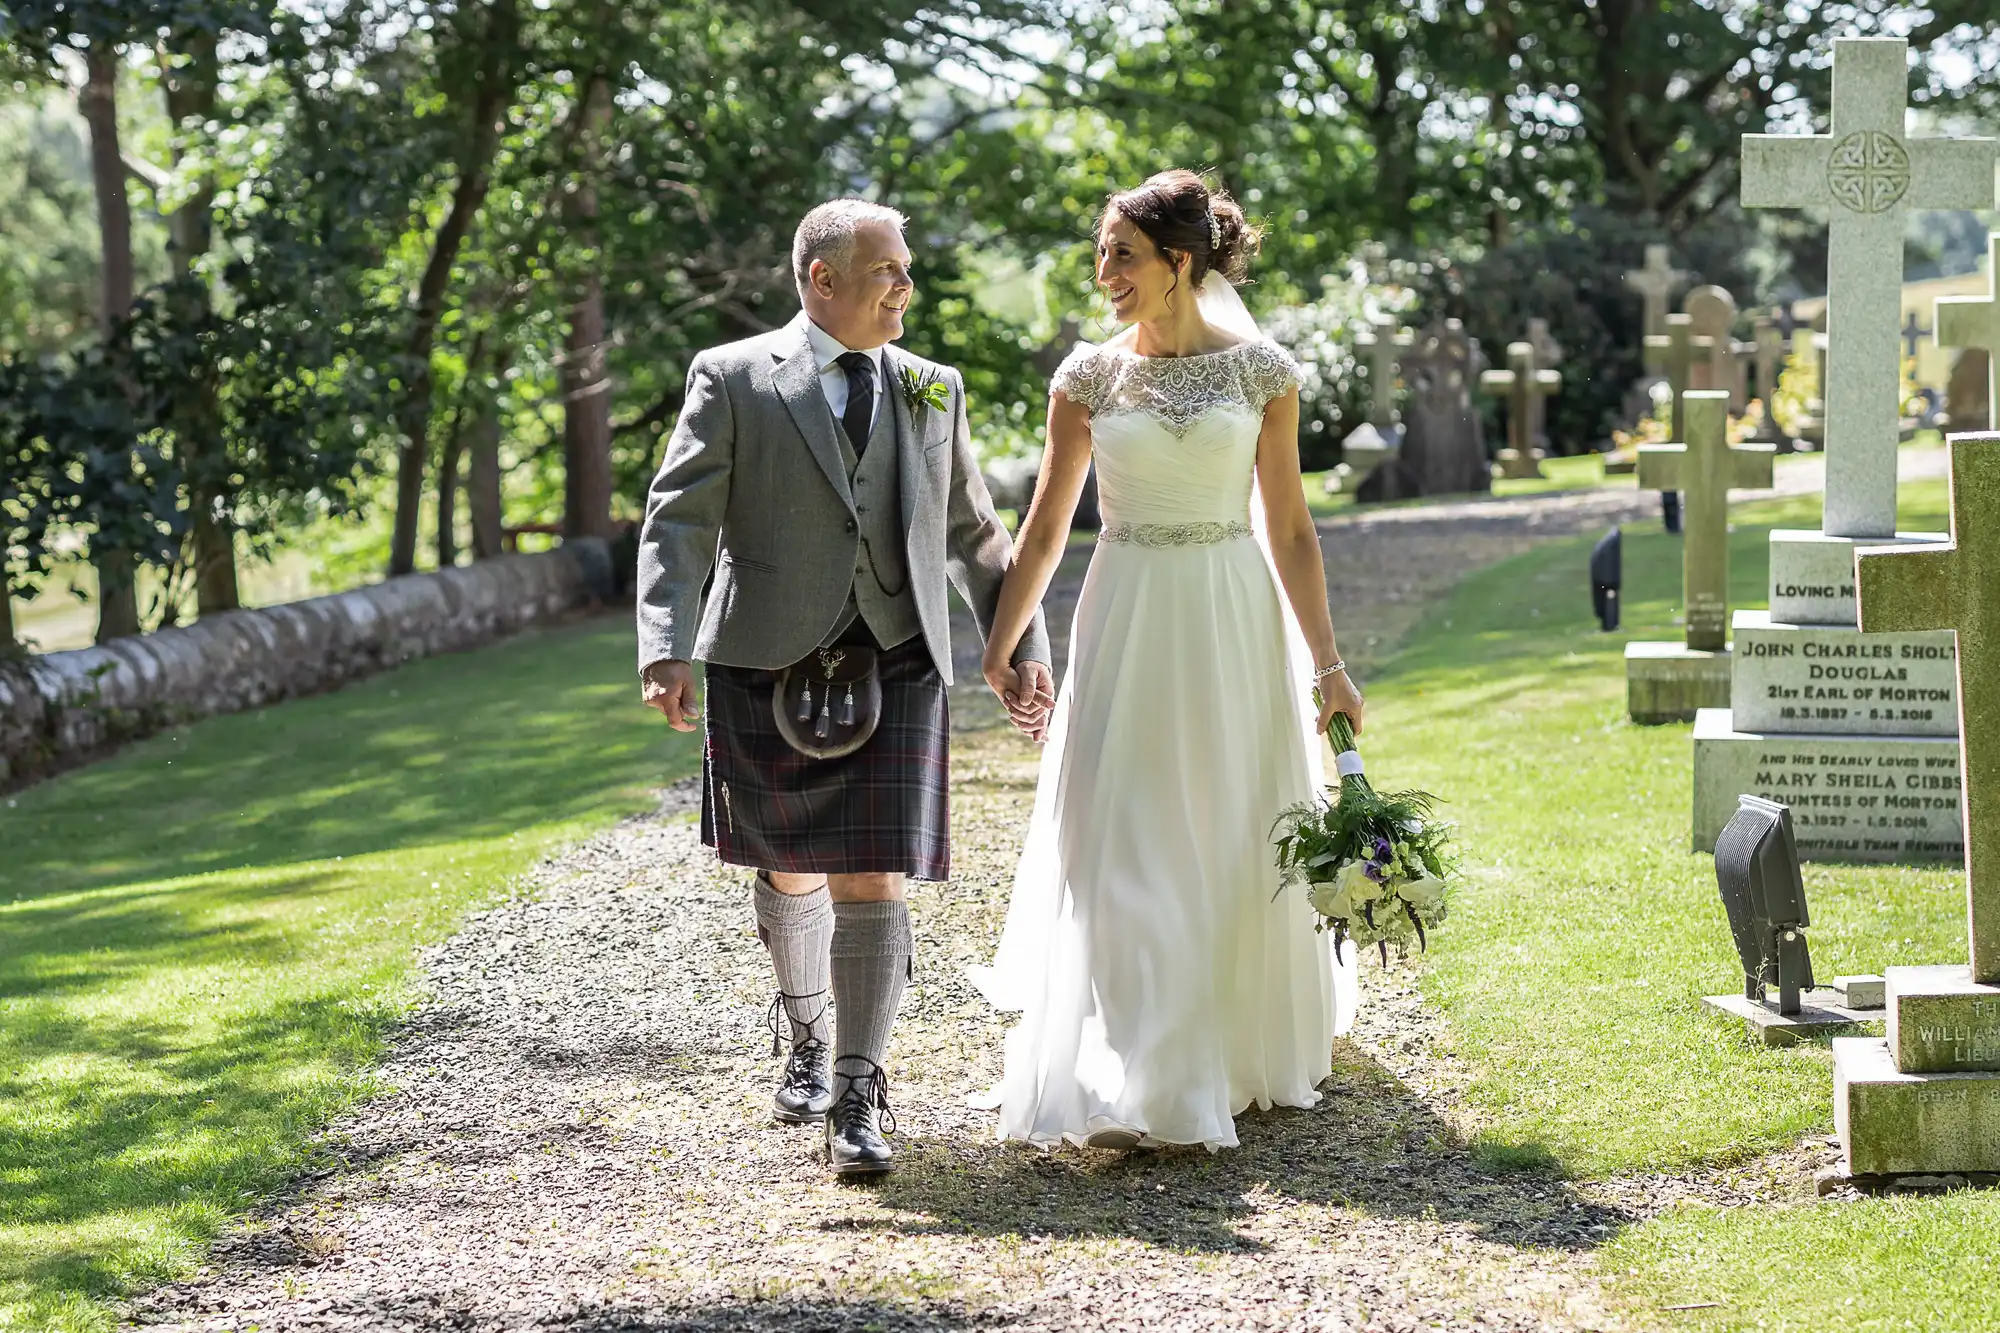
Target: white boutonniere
924,388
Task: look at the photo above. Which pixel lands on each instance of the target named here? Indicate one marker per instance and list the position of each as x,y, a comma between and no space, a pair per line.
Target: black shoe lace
864,1092
781,1013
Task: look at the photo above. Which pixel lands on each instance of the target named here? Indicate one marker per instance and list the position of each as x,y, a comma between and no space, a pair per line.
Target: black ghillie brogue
859,1119
805,1089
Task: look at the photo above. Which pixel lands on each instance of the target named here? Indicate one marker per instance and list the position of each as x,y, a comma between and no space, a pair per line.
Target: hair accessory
1214,231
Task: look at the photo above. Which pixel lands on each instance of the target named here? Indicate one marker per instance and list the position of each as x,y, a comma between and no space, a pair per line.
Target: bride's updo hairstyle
1173,210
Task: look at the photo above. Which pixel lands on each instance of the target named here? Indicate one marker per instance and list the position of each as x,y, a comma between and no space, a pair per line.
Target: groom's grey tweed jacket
754,487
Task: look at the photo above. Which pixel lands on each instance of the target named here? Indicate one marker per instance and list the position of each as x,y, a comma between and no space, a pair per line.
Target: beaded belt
1172,534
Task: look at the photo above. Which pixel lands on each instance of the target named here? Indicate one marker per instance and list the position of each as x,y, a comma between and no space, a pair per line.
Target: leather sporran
829,703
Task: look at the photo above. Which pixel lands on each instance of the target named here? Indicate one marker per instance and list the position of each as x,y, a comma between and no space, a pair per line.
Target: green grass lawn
1577,954
203,939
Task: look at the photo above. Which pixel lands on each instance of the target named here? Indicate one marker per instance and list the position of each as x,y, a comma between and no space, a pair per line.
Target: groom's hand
669,687
1038,691
1018,691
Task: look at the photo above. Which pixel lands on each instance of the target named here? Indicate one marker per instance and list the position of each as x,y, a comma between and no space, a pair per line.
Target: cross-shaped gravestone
1713,311
1678,354
1769,355
1914,332
1974,321
1548,354
1957,587
1867,175
1655,283
1381,347
1706,467
1522,383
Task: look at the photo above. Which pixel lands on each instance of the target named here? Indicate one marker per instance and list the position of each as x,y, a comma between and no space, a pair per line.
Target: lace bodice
1175,438
1179,390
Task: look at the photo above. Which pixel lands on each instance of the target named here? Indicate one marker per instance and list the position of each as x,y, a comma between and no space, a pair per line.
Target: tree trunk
585,387
492,90
117,598
190,75
7,641
482,488
447,533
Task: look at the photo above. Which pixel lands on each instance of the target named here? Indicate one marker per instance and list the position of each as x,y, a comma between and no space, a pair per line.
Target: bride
1164,984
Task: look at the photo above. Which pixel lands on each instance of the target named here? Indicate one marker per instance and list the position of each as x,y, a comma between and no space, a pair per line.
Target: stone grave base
1895,1124
1853,798
1863,992
1812,574
1830,679
1671,682
1514,465
1820,1015
1618,465
1941,1021
1925,1183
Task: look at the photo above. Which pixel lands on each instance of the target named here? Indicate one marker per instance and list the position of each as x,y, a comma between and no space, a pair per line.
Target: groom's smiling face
863,307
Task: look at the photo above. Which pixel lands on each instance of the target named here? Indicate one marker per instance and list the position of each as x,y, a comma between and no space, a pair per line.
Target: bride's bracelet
1328,670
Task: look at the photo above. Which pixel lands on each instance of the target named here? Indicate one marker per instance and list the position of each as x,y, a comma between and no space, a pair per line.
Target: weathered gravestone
1443,450
1867,175
1548,355
1682,356
1927,1099
1711,313
1522,383
1374,442
1656,284
1973,322
1671,682
1854,734
1769,368
1968,395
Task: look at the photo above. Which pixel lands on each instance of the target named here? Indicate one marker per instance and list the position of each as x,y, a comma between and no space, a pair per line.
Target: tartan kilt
881,810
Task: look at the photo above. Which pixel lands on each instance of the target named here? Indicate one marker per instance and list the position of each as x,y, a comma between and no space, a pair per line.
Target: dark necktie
860,414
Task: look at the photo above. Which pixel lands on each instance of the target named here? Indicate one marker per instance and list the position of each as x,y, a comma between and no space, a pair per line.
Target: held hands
1338,695
1028,691
669,687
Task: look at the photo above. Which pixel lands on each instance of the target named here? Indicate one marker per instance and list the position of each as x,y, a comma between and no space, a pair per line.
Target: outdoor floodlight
1757,871
1607,566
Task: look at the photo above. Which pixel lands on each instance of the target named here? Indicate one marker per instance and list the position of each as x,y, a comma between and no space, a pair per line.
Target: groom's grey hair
827,234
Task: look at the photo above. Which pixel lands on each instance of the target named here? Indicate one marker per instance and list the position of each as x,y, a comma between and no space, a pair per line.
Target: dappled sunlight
204,939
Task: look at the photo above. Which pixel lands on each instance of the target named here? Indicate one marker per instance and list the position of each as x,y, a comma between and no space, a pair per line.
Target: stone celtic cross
1522,383
1957,587
1655,283
1866,174
1706,468
1679,355
1974,321
1381,346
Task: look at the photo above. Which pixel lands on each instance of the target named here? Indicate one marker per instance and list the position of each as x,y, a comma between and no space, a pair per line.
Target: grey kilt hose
881,810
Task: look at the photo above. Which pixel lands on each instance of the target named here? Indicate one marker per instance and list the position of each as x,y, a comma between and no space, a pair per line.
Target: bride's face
1134,273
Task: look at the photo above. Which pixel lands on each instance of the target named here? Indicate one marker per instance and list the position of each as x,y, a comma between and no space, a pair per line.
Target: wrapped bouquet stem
1374,865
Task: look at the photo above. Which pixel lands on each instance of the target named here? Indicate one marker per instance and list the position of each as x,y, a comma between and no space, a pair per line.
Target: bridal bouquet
1374,864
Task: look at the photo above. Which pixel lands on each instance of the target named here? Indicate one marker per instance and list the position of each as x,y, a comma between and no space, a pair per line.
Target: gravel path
577,1134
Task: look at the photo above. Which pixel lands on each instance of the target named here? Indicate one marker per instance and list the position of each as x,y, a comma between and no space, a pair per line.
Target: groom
832,496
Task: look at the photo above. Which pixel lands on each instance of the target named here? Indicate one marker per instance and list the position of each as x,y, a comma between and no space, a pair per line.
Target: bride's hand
1338,695
1023,691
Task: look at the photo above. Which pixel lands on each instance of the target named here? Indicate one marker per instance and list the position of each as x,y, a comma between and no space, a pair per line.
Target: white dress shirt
828,350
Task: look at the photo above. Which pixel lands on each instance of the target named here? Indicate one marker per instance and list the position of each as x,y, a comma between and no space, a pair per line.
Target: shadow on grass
1372,1146
154,1118
528,732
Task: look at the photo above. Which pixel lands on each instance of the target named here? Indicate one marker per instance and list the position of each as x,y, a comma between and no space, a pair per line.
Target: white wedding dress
1164,983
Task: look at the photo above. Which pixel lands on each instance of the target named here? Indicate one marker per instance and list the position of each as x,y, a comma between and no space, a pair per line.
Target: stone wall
59,705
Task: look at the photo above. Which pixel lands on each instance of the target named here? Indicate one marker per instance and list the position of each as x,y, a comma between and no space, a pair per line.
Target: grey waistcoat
881,594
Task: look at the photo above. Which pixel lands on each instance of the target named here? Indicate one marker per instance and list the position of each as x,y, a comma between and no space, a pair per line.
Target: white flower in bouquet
1425,893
